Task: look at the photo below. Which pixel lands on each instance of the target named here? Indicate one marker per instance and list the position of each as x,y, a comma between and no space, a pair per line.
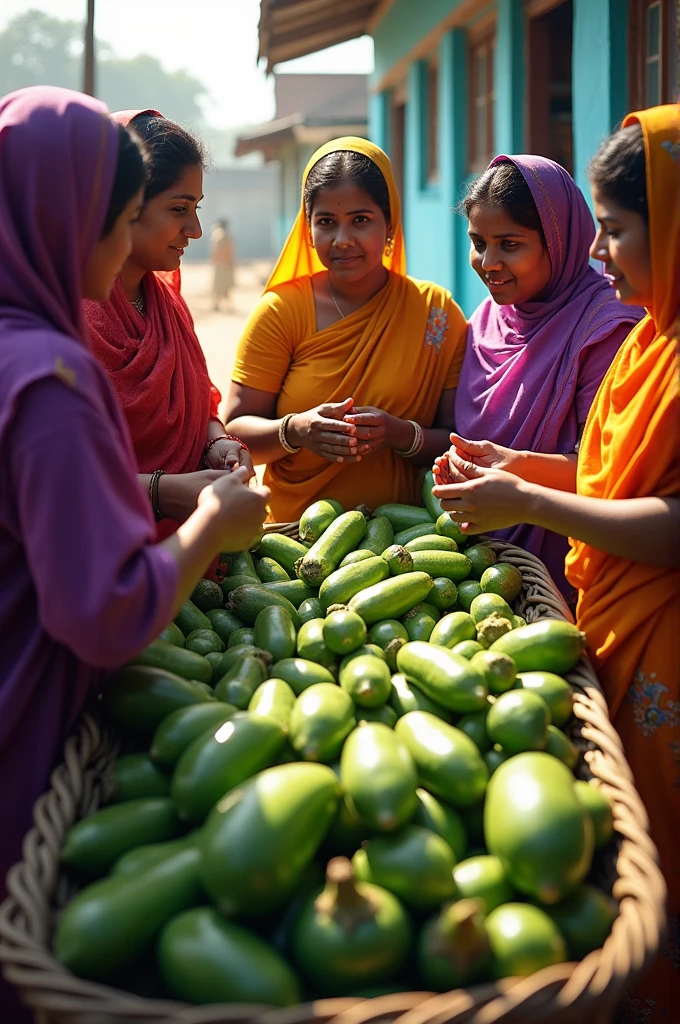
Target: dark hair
170,149
129,178
503,185
346,165
618,169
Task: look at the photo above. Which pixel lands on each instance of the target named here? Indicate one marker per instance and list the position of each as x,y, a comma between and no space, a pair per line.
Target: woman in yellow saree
346,371
626,512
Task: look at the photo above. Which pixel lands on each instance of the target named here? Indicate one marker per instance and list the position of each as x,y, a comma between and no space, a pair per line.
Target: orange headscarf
298,257
630,443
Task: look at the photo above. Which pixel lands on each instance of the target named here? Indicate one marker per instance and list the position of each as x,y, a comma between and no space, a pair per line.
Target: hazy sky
215,40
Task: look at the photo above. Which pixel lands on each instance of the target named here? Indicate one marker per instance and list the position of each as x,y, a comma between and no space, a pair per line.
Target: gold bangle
283,440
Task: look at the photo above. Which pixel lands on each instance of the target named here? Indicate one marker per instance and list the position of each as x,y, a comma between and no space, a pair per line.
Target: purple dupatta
531,372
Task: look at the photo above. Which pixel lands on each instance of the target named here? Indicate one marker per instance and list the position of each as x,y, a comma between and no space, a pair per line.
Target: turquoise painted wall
405,23
599,77
436,237
509,76
378,119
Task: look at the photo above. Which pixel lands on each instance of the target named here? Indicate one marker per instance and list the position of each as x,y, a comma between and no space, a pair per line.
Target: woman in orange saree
624,520
345,374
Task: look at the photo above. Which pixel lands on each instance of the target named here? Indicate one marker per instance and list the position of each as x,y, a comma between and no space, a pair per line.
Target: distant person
539,345
346,371
144,334
223,256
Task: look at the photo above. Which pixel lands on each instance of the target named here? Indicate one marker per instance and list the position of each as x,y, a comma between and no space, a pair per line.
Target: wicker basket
575,993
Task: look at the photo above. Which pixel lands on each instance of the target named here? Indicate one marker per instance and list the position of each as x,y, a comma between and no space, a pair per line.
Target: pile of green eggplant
347,771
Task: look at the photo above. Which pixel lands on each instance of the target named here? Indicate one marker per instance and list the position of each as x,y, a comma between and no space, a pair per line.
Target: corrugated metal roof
294,28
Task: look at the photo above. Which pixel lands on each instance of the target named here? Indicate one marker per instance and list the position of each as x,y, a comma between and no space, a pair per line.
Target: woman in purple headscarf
540,344
84,588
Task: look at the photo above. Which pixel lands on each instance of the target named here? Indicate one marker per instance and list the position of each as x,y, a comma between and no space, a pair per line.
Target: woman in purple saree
540,344
83,587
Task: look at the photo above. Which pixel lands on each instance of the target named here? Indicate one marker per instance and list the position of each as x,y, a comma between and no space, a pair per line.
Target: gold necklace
335,301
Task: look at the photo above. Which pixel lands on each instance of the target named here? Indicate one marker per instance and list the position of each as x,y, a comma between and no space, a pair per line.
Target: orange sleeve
265,350
457,335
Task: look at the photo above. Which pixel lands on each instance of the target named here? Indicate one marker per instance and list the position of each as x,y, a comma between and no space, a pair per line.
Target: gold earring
389,246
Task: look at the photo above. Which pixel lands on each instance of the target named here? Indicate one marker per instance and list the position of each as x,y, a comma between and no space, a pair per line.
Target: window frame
638,56
483,40
540,121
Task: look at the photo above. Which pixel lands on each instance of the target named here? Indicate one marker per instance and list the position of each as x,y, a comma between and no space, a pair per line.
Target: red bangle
224,437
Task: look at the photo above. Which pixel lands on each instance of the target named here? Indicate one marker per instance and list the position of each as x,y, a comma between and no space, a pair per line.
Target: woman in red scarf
144,334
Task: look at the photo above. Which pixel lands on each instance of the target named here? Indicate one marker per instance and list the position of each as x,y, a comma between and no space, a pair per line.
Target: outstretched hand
464,455
487,454
479,498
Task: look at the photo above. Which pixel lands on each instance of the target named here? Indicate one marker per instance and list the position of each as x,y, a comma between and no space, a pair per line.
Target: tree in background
143,82
37,49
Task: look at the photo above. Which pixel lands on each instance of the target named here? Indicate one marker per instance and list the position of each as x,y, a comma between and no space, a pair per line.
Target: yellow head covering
298,257
661,133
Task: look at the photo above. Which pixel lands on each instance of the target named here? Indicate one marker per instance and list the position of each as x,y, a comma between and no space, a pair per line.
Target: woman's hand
453,466
229,455
481,499
486,454
178,492
325,432
378,429
240,509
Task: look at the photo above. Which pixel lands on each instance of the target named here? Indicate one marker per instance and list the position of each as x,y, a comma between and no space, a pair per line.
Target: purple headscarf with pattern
531,371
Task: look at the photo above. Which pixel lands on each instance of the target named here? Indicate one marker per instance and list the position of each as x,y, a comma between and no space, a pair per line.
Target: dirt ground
219,332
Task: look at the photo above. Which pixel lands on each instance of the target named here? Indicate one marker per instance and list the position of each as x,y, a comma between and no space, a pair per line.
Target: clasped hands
343,431
477,485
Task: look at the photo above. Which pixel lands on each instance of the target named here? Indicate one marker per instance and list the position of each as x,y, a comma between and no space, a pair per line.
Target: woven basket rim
565,993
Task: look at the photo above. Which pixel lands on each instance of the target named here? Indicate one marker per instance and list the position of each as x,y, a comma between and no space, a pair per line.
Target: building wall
293,160
436,239
248,199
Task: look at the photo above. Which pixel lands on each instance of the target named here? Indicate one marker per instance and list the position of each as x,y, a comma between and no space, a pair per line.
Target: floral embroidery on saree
651,709
437,328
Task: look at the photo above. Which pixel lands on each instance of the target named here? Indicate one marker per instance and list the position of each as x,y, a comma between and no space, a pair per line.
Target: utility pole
88,83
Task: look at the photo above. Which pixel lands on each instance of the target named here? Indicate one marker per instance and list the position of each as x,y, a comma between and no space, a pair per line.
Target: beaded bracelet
153,494
224,437
418,441
283,440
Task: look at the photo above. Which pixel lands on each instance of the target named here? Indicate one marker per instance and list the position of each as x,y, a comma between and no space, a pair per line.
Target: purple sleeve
103,589
593,365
